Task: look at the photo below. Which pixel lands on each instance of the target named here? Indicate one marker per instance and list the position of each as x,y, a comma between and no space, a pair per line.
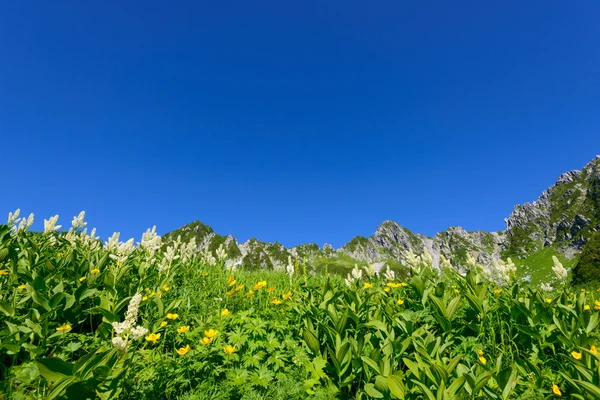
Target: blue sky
305,121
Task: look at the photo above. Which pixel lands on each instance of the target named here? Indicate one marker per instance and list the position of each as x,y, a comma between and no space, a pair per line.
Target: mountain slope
561,221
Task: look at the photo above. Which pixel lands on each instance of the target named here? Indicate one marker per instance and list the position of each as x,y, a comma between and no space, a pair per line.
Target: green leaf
371,391
41,300
426,390
381,384
312,341
59,387
370,363
70,301
377,324
590,387
456,385
54,369
7,309
396,385
594,319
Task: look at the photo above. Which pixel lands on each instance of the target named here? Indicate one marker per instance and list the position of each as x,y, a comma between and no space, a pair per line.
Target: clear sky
297,121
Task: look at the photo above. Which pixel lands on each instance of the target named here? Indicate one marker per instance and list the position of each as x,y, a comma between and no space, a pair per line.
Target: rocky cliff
562,219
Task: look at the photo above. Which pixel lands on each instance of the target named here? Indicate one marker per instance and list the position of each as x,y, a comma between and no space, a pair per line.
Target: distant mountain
560,221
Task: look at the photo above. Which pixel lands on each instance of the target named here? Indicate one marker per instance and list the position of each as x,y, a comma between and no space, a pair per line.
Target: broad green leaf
396,385
371,391
370,363
7,309
54,369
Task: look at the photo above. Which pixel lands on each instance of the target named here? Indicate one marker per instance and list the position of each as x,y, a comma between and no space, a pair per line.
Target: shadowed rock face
565,216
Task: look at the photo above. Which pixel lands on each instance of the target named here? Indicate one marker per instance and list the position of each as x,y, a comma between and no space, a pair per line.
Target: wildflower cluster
128,329
17,224
119,251
499,272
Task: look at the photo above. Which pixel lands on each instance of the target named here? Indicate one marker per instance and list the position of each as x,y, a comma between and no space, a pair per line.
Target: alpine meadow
300,200
195,315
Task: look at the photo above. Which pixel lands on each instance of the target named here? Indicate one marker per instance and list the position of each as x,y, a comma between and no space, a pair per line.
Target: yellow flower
270,290
211,333
497,291
556,390
250,293
225,312
456,291
204,274
183,329
230,278
23,286
94,271
286,296
232,283
597,305
400,301
163,324
239,287
229,349
593,350
387,289
260,285
153,337
64,328
403,284
548,300
276,301
147,289
393,285
230,292
453,286
82,279
368,285
158,292
206,340
172,316
144,298
119,263
586,307
482,360
3,272
480,352
152,295
165,288
576,355
183,350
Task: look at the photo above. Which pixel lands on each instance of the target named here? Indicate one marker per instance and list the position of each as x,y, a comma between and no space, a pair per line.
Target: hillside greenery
83,320
587,270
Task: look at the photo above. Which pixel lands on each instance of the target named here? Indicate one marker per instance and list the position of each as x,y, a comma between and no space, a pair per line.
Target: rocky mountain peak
563,217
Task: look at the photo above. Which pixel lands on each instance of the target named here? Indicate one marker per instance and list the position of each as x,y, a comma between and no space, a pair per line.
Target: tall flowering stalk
559,270
50,224
119,251
354,275
127,329
289,269
499,272
78,222
390,275
17,224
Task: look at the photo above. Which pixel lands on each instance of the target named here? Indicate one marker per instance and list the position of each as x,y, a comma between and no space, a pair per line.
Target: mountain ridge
562,219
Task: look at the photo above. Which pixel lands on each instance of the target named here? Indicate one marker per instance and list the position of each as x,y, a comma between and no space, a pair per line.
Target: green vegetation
587,270
536,268
356,243
81,320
